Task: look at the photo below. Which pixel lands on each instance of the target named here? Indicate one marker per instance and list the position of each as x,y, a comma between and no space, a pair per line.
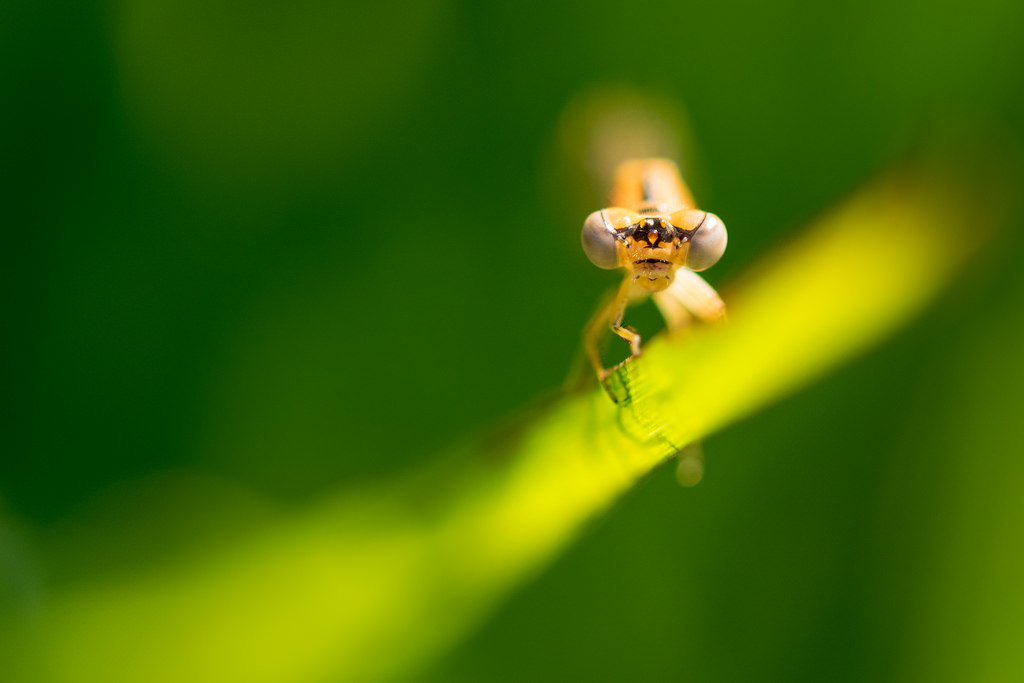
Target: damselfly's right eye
708,239
708,244
601,235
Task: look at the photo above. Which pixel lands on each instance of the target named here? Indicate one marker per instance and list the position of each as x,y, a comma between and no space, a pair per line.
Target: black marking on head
699,225
654,227
652,260
687,235
621,234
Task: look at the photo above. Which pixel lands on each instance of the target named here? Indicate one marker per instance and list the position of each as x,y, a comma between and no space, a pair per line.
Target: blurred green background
255,253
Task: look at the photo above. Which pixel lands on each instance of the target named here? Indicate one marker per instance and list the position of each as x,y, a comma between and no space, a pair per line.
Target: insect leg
610,316
689,296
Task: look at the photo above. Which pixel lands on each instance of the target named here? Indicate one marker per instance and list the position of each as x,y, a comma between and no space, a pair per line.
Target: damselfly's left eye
707,244
601,234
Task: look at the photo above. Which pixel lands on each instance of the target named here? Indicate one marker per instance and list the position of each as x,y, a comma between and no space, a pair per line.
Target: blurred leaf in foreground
371,586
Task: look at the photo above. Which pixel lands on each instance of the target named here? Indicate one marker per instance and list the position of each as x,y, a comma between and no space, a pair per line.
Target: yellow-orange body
655,232
650,184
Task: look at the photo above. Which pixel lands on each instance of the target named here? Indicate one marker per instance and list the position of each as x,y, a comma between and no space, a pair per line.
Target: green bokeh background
255,253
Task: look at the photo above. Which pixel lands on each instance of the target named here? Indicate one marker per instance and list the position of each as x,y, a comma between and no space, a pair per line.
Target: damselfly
655,232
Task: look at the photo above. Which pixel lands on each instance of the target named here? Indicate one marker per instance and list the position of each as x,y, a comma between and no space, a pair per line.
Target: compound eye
601,234
708,242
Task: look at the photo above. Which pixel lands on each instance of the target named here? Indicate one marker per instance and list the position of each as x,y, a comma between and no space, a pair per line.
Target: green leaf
372,584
